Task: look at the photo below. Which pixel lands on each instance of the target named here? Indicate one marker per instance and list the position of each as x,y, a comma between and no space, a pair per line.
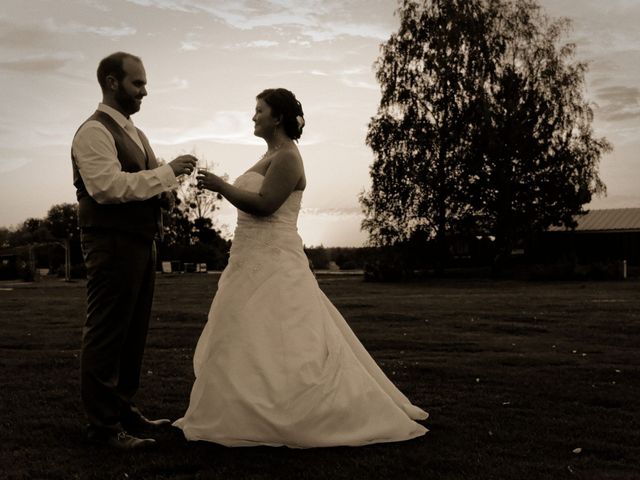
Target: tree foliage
191,217
191,233
31,231
540,157
482,127
5,235
62,221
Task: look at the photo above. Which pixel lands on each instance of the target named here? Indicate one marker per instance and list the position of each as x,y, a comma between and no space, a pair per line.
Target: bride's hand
209,180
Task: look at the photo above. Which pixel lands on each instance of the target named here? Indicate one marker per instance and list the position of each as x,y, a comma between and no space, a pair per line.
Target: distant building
600,236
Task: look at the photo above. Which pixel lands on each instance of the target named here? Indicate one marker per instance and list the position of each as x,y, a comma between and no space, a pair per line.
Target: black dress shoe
122,440
140,422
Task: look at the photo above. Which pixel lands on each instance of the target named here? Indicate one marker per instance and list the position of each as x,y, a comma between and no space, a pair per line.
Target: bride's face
264,124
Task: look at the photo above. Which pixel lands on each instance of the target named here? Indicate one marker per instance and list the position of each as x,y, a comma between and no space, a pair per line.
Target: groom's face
132,89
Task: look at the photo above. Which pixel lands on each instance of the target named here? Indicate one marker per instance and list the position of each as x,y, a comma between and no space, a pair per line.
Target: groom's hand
183,165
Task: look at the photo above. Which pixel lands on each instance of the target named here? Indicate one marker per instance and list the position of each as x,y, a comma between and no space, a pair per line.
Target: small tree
190,229
191,219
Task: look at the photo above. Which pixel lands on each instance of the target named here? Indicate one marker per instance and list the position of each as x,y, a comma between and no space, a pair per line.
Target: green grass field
516,377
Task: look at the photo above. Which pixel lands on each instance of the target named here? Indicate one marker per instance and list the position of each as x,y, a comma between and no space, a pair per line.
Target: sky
206,61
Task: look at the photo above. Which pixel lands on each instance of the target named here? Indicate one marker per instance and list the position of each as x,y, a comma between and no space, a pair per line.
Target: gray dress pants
120,282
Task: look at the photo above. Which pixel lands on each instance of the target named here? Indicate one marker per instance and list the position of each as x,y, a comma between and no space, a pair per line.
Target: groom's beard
127,102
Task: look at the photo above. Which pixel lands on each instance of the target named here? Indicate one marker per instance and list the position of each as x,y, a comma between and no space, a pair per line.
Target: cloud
177,5
349,77
22,36
600,29
333,212
253,44
42,34
223,127
176,83
330,31
298,41
11,164
232,127
19,132
98,5
281,73
262,43
619,103
360,84
190,45
314,19
192,42
42,63
123,30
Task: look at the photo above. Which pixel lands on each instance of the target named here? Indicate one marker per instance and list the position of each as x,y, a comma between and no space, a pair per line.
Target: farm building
600,236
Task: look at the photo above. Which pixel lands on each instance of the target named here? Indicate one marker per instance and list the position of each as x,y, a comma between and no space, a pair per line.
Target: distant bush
389,265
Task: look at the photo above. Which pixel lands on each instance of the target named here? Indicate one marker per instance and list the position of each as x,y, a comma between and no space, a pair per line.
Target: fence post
67,259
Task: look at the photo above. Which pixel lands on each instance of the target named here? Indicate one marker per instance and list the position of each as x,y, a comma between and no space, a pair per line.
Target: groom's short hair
112,65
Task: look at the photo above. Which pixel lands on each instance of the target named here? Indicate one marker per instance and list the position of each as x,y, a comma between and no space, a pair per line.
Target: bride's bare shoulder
288,158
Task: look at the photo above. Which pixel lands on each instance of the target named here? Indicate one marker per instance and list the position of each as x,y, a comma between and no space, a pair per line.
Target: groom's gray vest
139,217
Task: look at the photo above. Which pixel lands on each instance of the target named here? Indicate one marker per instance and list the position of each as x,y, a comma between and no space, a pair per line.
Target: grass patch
514,375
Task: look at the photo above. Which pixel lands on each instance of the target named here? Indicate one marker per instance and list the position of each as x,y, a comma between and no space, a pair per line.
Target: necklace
270,152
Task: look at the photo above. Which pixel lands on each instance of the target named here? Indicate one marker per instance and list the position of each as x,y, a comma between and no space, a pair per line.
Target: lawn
523,380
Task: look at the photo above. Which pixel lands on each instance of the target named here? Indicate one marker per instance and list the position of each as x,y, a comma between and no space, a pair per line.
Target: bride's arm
281,178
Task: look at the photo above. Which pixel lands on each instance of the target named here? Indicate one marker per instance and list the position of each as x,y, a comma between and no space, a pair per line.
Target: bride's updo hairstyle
283,102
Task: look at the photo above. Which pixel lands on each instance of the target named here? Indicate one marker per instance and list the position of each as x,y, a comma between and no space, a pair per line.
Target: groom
119,187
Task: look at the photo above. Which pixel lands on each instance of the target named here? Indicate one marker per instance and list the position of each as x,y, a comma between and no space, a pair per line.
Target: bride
276,363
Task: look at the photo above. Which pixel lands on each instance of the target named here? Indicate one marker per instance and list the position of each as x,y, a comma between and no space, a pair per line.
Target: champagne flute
202,169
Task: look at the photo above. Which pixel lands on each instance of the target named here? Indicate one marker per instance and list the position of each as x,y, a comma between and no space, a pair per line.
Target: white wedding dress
277,364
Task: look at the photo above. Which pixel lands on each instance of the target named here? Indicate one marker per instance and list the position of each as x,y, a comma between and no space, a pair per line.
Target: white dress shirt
94,150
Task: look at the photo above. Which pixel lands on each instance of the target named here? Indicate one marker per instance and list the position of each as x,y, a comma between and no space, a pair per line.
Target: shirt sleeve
96,157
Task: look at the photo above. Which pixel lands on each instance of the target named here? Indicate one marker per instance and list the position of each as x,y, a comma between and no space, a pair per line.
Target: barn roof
615,219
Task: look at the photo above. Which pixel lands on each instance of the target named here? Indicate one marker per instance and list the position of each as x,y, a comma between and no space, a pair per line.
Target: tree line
53,242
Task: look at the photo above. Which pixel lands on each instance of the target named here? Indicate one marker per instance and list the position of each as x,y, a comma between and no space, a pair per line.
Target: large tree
482,125
537,148
431,73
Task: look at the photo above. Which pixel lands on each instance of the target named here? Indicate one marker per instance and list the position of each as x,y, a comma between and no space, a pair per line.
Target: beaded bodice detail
259,242
285,218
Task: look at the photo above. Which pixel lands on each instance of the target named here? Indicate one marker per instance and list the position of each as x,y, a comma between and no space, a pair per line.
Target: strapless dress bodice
285,218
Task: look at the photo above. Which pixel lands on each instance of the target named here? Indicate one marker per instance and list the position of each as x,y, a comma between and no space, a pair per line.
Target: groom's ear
112,82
